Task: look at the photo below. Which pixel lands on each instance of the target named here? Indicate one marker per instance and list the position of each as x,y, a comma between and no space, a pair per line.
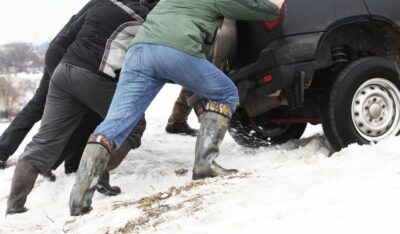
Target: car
333,62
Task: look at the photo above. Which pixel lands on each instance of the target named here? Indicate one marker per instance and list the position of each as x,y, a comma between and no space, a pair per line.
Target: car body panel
301,17
316,16
297,41
385,9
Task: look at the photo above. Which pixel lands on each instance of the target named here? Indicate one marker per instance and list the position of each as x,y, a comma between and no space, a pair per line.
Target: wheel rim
375,111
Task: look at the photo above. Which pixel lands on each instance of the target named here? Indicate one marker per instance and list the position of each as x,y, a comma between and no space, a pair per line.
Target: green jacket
191,25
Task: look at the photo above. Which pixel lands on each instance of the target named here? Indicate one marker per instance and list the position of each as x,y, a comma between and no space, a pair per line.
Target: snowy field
292,188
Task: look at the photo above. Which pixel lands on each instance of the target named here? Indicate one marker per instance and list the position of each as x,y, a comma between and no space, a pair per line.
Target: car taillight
265,79
276,23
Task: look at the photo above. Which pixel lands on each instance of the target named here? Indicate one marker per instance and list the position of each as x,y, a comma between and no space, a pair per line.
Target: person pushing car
172,45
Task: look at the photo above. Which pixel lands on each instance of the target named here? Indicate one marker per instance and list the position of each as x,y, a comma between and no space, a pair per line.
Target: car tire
253,135
363,104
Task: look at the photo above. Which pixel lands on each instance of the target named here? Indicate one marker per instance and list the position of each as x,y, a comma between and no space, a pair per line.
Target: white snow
292,188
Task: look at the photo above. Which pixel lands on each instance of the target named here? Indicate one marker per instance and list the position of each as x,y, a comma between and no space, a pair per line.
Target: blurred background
27,27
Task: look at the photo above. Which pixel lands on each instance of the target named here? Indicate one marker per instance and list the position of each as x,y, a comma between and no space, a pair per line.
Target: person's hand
279,3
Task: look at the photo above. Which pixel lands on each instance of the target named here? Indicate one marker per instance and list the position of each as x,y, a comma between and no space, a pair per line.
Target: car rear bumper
284,51
286,59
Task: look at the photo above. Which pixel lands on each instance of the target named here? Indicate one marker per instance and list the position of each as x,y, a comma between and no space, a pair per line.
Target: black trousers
73,93
13,136
24,121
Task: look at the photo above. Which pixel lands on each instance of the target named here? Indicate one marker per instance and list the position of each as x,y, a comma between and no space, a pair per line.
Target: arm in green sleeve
251,10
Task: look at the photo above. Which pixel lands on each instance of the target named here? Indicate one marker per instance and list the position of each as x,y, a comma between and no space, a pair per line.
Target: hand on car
279,3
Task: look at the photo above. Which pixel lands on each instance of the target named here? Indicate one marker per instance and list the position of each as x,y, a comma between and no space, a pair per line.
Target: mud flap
296,94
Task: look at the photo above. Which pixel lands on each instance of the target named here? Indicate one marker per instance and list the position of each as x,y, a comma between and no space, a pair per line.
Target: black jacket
105,31
59,45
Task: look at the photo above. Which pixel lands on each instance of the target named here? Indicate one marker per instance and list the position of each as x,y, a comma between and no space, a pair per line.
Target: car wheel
253,135
363,104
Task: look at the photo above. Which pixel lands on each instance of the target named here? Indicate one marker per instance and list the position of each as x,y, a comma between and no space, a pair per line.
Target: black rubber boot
104,186
71,165
69,170
50,176
212,131
116,158
180,128
93,163
25,175
119,155
2,164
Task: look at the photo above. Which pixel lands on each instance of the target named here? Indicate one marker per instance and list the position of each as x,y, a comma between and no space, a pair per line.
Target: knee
40,166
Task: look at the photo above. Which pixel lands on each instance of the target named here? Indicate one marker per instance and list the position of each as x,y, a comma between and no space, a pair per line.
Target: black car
333,62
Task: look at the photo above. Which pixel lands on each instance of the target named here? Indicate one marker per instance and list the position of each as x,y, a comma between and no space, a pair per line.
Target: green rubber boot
91,168
212,131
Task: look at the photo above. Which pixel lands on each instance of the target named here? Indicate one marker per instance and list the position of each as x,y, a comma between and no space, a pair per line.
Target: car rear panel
301,17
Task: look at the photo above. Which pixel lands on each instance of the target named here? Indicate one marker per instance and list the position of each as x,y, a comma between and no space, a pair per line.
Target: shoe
104,187
25,175
180,128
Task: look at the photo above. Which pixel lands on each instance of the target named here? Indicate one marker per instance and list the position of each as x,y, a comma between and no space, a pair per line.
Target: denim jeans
146,69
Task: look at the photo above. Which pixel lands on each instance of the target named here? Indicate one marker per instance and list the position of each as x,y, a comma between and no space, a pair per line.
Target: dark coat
59,45
105,31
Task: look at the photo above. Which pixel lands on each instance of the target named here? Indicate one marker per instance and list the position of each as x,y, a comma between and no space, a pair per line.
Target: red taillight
265,79
276,23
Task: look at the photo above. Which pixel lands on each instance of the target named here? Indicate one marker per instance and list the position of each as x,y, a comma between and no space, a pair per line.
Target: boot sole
203,176
107,192
79,212
16,211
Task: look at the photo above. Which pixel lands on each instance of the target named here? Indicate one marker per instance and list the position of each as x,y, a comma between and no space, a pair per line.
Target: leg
61,116
208,81
205,79
214,123
24,121
76,144
177,122
116,157
136,89
22,183
73,150
87,87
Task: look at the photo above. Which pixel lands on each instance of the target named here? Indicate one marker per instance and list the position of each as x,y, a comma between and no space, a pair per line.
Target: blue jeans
146,69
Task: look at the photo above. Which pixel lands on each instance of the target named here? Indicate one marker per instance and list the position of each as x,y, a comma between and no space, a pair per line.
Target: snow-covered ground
292,188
